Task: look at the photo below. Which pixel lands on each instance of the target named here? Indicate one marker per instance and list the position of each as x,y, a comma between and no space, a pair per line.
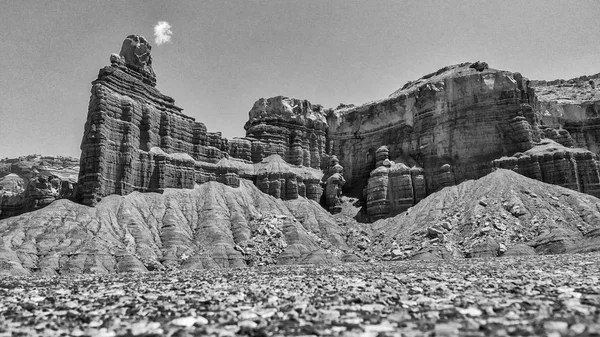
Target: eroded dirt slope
503,213
210,226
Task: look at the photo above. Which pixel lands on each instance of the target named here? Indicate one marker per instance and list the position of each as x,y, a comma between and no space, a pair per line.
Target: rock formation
455,124
574,168
292,128
32,182
573,107
393,187
137,139
333,181
452,125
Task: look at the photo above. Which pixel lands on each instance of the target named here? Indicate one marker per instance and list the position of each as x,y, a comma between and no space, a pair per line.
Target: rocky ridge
503,213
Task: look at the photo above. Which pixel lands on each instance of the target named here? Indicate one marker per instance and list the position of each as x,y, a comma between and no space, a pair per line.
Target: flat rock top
543,295
452,71
573,91
456,70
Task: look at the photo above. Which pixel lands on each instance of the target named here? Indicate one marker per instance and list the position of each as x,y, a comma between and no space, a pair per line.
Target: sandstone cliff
454,124
137,139
294,129
573,107
211,226
32,182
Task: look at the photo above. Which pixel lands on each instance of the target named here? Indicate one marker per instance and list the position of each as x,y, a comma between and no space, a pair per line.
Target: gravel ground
535,295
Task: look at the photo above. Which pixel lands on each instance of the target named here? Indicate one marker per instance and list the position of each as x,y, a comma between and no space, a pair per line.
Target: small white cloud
162,32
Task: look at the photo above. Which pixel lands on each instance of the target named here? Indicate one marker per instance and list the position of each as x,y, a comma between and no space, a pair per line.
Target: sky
225,55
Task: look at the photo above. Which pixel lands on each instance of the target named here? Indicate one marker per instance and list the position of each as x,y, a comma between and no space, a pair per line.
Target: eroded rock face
278,178
32,182
455,124
292,128
550,162
135,53
333,181
137,139
573,106
452,123
393,186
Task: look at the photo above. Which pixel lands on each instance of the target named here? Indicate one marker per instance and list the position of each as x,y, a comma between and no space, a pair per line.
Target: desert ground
552,295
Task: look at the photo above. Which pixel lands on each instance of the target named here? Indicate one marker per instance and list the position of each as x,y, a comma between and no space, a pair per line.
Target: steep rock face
501,213
574,106
393,187
333,180
137,139
211,226
277,178
32,182
452,123
292,128
550,162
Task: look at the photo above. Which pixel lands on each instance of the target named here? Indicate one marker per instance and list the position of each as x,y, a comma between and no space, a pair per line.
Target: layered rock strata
456,124
453,123
550,162
333,181
32,182
393,187
449,126
572,105
276,177
292,128
137,139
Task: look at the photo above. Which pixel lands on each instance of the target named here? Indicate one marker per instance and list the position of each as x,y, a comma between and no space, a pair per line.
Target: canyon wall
461,123
451,123
458,123
573,106
137,139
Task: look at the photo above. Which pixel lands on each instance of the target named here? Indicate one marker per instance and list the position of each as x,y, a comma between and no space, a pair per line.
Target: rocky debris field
554,295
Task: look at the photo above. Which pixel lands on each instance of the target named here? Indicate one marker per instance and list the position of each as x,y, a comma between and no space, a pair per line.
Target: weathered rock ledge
32,182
